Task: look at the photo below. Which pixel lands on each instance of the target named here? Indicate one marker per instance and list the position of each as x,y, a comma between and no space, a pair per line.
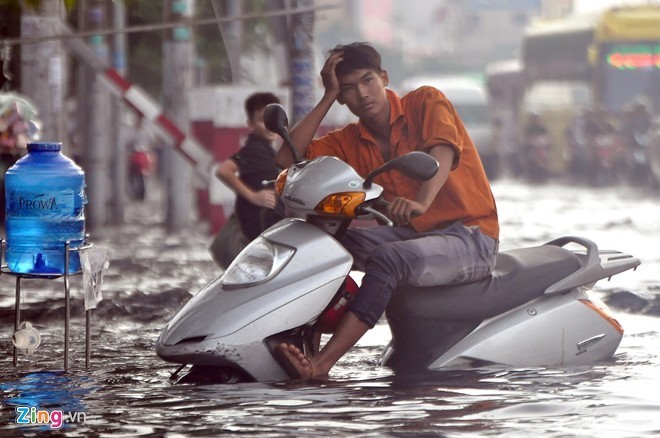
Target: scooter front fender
218,315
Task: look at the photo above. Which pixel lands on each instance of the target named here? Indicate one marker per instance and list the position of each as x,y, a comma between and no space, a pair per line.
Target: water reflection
127,391
46,400
47,389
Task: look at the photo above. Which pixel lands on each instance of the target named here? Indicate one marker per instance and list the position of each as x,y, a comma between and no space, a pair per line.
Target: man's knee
387,261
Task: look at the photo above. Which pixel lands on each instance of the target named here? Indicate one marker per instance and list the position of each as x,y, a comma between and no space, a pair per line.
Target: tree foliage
34,4
145,49
144,57
210,47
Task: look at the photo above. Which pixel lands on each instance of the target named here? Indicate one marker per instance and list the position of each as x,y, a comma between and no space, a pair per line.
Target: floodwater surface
127,390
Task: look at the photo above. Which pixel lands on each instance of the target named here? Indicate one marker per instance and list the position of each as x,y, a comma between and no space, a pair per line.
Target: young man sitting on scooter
446,229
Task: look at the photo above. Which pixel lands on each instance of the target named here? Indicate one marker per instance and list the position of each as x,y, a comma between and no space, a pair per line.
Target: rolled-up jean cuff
371,301
366,317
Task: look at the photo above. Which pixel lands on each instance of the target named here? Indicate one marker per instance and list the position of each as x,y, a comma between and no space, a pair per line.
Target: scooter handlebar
368,209
374,208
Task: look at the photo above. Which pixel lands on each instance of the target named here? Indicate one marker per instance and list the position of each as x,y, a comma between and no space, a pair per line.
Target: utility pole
232,32
94,102
293,53
119,163
302,60
43,69
177,80
279,31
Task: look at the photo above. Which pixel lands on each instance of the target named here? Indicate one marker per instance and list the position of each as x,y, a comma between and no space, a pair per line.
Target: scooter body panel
222,325
551,331
308,185
530,311
246,348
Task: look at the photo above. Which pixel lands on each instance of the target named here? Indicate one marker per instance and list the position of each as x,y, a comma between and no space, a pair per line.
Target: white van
469,97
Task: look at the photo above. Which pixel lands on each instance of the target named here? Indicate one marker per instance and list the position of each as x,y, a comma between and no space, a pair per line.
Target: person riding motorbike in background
446,229
635,130
536,144
141,159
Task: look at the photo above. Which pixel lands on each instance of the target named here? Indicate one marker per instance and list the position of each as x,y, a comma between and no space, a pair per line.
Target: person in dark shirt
244,171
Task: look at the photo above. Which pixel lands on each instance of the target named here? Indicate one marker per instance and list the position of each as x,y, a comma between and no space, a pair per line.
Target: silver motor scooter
534,310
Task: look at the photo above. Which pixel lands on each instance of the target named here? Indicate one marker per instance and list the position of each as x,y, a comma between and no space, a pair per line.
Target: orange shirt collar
396,114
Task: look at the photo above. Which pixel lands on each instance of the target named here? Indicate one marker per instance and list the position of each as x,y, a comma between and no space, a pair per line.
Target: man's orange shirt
420,120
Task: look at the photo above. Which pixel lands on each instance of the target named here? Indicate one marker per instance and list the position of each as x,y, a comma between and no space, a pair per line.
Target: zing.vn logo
54,418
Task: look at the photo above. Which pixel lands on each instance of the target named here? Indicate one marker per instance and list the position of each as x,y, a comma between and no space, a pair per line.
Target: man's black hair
257,101
356,56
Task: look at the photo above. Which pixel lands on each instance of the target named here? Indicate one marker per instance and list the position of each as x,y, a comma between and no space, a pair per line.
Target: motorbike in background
638,165
607,155
537,157
140,168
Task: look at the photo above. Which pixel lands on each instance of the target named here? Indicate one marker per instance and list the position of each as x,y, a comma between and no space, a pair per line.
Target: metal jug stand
67,315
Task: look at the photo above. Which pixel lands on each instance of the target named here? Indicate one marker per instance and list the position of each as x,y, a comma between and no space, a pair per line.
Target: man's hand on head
329,75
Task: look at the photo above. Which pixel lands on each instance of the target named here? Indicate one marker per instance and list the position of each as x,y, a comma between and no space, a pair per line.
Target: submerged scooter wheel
207,375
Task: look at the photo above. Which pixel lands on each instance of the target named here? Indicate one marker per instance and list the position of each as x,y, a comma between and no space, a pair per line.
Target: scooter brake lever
377,214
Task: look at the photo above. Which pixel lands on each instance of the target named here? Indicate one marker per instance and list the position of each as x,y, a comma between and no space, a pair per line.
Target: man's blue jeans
391,256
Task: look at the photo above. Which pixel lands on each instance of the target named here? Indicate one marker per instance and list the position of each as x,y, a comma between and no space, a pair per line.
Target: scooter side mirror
275,120
417,165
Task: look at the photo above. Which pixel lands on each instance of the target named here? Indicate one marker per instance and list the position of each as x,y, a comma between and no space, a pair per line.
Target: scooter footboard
417,343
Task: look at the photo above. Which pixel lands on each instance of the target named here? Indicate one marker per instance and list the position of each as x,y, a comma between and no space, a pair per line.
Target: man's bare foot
294,361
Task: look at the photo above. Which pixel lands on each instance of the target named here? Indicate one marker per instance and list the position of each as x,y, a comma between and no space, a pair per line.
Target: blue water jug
45,199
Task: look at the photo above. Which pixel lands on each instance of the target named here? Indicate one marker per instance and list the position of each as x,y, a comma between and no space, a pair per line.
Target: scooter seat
520,275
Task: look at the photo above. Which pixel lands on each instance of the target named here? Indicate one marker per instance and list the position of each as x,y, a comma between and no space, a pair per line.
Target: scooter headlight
258,262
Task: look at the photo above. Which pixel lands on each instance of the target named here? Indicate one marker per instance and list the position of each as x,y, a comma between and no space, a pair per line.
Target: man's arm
227,171
303,133
401,210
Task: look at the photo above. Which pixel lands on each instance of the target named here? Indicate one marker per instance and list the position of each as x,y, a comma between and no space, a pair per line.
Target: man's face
363,91
259,128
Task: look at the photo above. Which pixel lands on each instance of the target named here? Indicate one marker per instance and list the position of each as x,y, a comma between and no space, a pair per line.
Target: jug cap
44,146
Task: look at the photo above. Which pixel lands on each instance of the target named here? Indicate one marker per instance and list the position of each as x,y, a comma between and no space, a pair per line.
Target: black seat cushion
520,275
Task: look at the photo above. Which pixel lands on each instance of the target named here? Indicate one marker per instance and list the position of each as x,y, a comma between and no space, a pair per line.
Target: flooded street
127,390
